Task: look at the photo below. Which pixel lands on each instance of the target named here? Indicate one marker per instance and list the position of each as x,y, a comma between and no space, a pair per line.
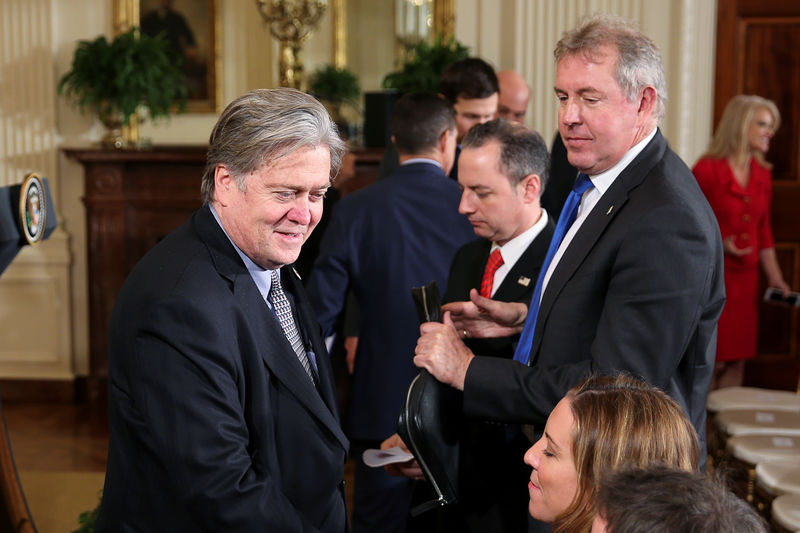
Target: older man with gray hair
222,408
633,277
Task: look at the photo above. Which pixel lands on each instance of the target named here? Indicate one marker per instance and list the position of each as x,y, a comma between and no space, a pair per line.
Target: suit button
746,218
746,199
745,237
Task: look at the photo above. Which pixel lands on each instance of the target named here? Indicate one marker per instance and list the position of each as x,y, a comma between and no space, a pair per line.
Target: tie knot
275,281
582,184
495,260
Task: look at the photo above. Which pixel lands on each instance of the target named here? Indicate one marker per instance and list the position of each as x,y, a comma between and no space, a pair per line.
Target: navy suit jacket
398,233
214,424
639,289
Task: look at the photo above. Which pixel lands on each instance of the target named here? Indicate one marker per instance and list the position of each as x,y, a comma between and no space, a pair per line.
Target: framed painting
191,27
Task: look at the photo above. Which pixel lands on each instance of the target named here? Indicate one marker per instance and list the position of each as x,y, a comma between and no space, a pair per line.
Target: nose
531,457
570,112
300,211
465,206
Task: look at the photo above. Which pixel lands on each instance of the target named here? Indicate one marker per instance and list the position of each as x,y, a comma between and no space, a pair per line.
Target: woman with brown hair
603,424
737,181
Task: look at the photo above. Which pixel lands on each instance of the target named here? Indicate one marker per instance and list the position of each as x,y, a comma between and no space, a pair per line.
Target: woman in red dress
737,182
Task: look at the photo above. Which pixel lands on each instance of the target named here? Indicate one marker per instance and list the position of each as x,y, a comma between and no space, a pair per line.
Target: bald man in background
514,95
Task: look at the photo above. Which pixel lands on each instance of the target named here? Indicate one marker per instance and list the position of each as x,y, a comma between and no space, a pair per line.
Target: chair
744,452
786,513
773,479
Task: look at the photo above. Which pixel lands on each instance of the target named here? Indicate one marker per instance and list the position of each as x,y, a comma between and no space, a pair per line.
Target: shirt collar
513,249
421,160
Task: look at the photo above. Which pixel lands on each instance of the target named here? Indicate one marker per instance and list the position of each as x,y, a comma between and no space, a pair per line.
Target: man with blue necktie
633,284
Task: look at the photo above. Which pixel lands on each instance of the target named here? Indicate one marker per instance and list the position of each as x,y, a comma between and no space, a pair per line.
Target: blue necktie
568,215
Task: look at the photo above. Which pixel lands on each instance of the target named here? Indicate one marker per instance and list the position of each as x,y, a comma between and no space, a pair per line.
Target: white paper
373,457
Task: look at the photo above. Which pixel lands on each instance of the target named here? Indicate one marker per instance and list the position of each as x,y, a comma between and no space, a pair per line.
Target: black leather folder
430,418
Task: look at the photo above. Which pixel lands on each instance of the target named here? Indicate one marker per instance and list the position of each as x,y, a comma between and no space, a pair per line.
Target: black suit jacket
492,475
639,289
214,424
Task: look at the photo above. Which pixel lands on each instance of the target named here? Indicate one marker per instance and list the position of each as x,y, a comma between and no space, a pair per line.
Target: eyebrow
551,441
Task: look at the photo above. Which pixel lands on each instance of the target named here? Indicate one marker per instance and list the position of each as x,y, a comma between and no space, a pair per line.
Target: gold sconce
291,22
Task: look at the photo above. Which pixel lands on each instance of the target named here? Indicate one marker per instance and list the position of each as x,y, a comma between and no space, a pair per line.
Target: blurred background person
512,103
603,424
737,181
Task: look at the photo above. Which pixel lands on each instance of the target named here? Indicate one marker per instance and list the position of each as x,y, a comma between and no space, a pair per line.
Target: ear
648,102
223,182
443,138
531,186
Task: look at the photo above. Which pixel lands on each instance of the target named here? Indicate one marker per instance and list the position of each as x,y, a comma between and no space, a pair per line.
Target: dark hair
662,500
418,121
522,151
264,125
468,78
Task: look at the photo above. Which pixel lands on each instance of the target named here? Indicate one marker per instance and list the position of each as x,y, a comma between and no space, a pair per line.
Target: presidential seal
32,208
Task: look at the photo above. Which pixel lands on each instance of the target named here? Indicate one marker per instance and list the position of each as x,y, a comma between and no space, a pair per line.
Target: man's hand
441,352
350,346
482,317
409,468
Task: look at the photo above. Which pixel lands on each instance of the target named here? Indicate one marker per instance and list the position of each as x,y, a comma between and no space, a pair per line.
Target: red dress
743,212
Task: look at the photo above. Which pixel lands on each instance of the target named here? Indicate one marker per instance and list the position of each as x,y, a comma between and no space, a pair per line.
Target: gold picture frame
193,28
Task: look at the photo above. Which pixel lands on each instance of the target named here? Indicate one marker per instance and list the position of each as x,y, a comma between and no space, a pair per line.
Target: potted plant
425,63
338,89
131,75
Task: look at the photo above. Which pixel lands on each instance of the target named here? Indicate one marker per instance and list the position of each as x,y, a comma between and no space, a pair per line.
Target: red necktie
495,261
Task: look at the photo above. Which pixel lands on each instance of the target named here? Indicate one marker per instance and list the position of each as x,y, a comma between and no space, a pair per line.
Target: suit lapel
514,287
604,211
274,348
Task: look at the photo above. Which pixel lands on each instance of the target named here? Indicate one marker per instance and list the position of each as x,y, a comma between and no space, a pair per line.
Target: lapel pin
524,281
609,210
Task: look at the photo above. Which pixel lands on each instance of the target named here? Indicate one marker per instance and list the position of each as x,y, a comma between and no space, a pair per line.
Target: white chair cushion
779,477
758,422
752,398
786,511
754,449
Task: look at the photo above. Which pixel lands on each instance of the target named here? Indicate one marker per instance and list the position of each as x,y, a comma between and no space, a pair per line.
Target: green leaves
420,73
115,78
336,85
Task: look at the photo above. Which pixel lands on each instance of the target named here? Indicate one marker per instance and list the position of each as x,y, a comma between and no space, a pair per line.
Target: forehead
305,168
479,164
561,422
582,70
476,105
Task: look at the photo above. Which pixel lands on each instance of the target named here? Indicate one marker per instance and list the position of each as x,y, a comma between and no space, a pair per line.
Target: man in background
222,411
503,173
515,93
399,233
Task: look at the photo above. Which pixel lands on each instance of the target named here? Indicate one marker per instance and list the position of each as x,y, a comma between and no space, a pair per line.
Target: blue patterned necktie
568,215
283,311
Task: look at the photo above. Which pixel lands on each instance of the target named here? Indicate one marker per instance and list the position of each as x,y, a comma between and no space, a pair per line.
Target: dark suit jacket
492,475
639,289
398,233
214,424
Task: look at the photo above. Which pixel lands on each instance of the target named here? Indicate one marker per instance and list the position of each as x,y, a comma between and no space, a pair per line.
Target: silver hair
264,125
639,64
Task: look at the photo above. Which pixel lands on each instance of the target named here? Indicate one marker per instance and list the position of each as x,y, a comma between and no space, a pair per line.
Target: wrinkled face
760,131
471,111
281,205
554,480
496,210
597,123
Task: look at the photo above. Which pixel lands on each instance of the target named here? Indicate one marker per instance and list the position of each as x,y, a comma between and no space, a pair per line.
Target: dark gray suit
214,424
639,289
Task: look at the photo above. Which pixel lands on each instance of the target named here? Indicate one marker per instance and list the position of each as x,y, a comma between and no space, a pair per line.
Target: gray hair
522,151
264,125
639,64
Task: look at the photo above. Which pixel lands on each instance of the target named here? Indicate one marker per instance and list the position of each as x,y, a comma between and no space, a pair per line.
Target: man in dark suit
503,173
222,409
383,240
635,285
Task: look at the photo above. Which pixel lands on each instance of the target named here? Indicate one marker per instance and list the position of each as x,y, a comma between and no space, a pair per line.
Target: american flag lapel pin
524,281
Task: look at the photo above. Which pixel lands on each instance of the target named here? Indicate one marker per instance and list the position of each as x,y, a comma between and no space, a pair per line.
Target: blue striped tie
568,215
